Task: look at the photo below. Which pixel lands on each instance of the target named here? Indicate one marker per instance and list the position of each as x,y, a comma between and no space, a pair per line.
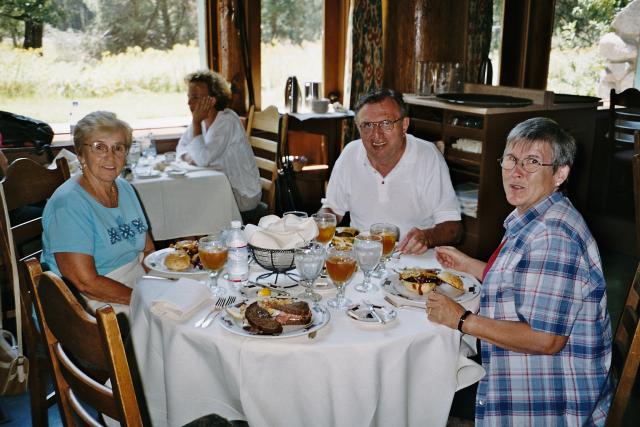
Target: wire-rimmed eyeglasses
102,149
529,164
384,125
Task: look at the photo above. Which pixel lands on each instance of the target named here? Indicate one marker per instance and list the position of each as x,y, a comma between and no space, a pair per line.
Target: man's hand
415,242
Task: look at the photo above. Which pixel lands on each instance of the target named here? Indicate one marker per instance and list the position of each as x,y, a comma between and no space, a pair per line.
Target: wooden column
225,50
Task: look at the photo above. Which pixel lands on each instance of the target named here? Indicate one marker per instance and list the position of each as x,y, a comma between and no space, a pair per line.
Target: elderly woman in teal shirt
95,232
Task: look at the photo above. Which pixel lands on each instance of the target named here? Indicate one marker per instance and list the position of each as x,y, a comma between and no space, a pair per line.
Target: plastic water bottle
238,263
73,116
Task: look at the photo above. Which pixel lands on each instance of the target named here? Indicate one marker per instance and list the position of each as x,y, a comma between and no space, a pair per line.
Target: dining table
344,372
184,201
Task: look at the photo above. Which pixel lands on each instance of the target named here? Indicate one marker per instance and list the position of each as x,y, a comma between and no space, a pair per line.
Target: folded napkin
274,232
72,161
181,299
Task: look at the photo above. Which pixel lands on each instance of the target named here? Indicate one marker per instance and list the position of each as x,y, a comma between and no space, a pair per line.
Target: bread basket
276,261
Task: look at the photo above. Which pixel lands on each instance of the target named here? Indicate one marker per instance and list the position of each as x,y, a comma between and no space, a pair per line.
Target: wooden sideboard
434,120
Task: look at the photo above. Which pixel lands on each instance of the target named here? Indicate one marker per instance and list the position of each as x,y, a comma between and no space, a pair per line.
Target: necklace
112,197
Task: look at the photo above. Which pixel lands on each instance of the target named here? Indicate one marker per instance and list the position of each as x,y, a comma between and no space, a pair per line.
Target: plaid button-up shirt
548,274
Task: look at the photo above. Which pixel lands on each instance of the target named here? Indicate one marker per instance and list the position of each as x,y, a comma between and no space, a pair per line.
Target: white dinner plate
155,261
320,317
147,174
393,287
176,173
360,313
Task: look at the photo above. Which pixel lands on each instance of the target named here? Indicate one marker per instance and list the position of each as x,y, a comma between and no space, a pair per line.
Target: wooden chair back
76,340
624,121
626,353
27,184
267,133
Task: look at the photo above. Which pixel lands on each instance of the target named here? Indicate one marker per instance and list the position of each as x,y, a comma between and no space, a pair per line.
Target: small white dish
177,173
360,313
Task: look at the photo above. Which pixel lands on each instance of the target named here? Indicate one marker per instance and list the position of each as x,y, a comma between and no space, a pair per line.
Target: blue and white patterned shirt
548,274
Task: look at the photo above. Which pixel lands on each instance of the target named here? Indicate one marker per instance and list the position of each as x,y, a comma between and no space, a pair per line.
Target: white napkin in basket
273,232
181,300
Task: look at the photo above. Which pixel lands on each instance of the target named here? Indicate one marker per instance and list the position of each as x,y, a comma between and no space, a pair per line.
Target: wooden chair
267,133
27,184
626,353
76,340
312,180
624,120
635,162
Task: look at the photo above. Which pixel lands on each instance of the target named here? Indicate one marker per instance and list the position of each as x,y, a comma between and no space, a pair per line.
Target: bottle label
238,264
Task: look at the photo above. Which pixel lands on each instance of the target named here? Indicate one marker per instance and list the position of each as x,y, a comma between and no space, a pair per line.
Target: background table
404,373
199,203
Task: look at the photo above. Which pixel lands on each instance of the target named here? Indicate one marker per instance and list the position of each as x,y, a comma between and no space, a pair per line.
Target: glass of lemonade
390,235
368,249
309,259
341,265
326,223
213,256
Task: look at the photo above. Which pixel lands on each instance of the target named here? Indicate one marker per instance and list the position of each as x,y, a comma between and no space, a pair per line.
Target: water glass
309,259
368,249
390,235
300,214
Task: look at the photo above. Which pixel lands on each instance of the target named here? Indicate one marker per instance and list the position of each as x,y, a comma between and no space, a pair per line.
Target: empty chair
626,353
26,188
84,351
624,120
267,133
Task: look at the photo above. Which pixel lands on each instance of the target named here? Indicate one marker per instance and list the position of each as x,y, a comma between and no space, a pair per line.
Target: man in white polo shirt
391,176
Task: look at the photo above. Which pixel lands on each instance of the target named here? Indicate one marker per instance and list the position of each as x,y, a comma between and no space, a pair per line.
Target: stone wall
620,50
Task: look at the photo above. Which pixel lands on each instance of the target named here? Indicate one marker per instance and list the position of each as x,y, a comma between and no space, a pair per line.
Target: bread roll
177,261
452,279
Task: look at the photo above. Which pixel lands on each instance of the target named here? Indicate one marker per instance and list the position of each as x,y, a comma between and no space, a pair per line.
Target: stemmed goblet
326,223
368,249
390,235
309,259
213,255
341,265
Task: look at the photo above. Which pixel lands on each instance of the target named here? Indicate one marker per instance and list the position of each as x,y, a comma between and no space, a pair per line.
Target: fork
211,317
218,306
398,305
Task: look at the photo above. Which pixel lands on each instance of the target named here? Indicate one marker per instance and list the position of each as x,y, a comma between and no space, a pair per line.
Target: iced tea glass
213,256
368,249
326,223
341,265
390,235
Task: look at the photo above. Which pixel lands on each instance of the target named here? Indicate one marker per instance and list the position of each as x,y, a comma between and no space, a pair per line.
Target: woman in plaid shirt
543,322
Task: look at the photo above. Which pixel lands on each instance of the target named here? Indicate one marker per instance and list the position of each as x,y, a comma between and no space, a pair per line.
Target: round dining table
347,373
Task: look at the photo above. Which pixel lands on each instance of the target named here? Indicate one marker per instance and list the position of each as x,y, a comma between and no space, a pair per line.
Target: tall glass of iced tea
213,256
326,223
341,265
390,235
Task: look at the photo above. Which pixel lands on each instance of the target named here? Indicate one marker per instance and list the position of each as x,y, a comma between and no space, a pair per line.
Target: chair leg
38,392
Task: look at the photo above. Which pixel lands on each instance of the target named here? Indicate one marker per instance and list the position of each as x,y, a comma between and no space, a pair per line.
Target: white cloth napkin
469,372
181,300
274,232
72,160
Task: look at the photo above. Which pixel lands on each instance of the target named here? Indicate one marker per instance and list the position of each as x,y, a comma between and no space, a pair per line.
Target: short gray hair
99,121
542,129
379,95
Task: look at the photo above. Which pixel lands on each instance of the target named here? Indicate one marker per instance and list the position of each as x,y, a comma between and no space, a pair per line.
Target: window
126,56
291,45
575,64
496,41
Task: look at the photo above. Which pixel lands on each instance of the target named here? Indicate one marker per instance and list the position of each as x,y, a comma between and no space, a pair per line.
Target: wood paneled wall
422,30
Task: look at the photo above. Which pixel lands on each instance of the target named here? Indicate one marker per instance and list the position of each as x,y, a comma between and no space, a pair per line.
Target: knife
277,291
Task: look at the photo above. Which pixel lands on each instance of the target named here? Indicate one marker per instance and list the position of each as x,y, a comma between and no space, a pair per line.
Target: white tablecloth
201,202
401,374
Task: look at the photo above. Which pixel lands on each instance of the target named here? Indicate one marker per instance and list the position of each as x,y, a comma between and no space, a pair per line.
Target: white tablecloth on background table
199,203
350,374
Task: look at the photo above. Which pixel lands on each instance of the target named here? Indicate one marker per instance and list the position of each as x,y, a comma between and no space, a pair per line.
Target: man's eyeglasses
385,125
102,149
529,164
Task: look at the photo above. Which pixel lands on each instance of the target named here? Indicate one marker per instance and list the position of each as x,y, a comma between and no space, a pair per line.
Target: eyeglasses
102,149
529,164
385,125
